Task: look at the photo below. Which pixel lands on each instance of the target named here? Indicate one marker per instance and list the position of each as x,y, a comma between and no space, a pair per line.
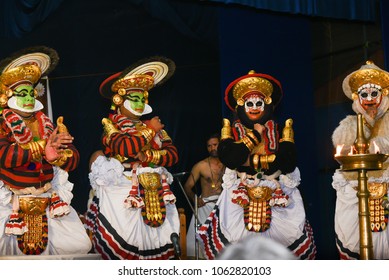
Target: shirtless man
210,172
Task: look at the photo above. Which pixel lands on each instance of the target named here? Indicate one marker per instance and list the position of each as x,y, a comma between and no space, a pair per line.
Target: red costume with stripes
17,169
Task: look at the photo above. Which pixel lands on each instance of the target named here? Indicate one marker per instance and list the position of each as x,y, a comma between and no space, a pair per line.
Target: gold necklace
213,185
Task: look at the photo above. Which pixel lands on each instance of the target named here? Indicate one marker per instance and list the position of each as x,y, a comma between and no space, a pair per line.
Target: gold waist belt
33,212
257,214
151,182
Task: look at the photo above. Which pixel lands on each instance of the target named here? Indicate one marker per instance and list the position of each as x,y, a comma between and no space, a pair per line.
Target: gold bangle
147,133
156,156
59,161
264,162
265,159
255,161
148,155
249,144
252,136
36,148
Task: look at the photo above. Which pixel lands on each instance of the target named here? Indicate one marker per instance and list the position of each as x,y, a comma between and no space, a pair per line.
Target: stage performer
368,88
260,185
36,217
132,214
209,172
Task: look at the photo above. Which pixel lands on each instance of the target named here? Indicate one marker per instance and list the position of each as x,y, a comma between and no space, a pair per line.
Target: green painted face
137,101
25,98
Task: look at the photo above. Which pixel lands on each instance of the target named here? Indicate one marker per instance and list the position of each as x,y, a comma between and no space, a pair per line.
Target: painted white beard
381,110
147,109
12,104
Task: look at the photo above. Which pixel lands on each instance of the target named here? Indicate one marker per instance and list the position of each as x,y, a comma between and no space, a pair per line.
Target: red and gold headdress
141,76
265,85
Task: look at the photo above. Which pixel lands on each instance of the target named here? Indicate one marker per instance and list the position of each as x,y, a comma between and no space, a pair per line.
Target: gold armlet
287,132
265,160
109,128
249,144
147,133
226,130
37,149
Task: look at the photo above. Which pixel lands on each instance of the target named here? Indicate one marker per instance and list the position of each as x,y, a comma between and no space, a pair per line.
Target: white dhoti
121,232
288,224
66,234
202,215
347,219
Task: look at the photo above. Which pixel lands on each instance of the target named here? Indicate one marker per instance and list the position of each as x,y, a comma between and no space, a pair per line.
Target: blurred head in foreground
256,248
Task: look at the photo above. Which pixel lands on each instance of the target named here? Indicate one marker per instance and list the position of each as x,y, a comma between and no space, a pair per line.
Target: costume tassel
240,196
133,200
58,207
15,224
279,198
167,195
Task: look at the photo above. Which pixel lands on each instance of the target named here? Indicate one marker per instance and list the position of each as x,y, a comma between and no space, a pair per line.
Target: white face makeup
254,106
369,96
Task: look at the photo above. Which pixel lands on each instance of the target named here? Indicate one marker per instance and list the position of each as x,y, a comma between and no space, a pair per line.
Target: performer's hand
258,127
155,124
200,202
56,144
141,156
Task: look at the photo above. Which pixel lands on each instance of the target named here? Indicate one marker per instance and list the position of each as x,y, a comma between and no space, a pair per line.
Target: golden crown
136,81
251,84
25,72
372,75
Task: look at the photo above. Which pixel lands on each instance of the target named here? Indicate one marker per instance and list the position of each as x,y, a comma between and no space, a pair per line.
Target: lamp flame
339,149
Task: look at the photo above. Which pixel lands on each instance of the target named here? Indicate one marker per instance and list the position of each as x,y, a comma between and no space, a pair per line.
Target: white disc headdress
42,60
157,69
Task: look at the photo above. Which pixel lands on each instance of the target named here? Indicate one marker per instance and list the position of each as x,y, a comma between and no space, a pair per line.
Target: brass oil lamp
361,162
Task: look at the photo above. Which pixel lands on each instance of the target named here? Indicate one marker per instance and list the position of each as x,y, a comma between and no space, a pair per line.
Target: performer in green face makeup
132,212
135,103
35,195
25,97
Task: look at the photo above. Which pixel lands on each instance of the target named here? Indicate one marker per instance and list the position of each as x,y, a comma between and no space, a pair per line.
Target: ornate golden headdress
367,74
142,75
265,85
25,67
26,73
